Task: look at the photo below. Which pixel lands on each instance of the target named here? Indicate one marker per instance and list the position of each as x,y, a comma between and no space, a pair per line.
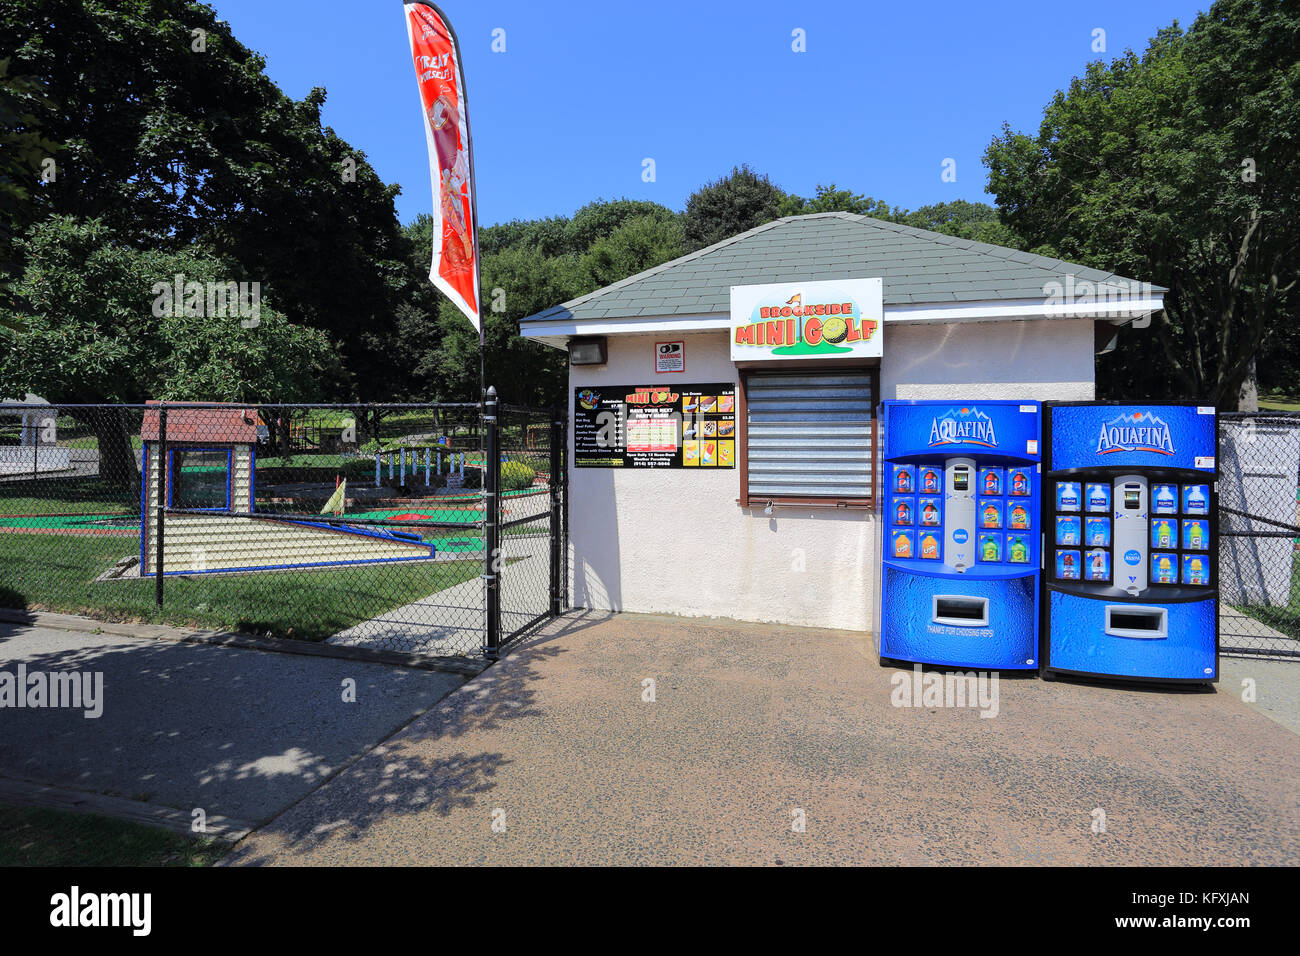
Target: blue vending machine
961,545
1131,577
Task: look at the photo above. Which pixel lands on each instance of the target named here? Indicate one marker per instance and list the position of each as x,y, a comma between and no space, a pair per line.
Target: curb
23,793
276,645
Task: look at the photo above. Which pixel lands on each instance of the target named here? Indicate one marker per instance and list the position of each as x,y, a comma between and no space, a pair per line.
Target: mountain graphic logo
1139,431
963,426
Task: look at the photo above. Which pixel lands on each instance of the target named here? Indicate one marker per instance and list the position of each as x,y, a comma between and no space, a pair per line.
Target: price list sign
650,426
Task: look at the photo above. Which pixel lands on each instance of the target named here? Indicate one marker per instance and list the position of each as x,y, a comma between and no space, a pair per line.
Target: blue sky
585,92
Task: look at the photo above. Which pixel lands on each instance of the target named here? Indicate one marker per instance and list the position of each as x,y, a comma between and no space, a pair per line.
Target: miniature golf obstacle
210,523
455,465
337,500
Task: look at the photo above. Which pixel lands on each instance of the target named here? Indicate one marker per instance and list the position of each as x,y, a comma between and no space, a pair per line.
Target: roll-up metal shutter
809,433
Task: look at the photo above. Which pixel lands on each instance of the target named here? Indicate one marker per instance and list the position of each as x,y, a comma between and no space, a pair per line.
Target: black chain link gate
352,524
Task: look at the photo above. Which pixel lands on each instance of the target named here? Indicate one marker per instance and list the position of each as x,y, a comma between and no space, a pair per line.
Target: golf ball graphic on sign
835,330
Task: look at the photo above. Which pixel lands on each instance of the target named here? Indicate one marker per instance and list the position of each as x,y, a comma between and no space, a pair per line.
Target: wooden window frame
867,503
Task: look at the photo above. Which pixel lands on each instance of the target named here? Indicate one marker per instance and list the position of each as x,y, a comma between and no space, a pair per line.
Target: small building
38,450
211,523
724,444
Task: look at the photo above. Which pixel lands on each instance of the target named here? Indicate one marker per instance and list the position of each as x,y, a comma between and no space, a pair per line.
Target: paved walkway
238,733
450,622
752,723
1238,631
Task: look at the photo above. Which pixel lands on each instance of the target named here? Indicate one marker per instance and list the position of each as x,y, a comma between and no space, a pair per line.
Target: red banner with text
441,76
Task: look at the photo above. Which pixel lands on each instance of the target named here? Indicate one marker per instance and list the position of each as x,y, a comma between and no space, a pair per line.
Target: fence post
557,468
161,479
491,529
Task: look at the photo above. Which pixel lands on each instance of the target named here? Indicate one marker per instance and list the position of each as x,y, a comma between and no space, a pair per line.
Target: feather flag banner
440,74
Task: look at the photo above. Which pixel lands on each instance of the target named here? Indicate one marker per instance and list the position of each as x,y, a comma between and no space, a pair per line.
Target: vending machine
1129,507
961,545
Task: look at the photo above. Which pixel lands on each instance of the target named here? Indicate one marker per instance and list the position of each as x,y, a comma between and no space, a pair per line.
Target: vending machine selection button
990,549
1068,531
1067,565
1164,533
930,516
1164,568
929,547
1196,499
1196,534
1196,569
1166,500
1098,497
903,511
904,479
1067,496
1097,532
1097,562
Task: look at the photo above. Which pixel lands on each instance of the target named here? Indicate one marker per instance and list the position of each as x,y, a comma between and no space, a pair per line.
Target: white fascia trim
627,326
1000,310
1113,309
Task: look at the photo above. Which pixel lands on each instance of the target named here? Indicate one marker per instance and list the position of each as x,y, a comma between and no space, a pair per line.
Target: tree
93,328
966,220
832,199
528,266
729,206
637,244
171,133
24,152
1178,167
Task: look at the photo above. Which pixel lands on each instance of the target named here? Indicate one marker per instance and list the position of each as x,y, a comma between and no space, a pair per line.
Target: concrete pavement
554,756
239,733
450,622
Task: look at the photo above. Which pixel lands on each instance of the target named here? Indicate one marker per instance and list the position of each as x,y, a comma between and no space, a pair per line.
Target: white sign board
670,356
832,319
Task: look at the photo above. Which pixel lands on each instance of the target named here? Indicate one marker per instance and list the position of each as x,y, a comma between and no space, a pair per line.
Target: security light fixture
588,351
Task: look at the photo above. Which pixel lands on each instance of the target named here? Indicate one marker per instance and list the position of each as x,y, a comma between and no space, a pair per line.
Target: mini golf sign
836,319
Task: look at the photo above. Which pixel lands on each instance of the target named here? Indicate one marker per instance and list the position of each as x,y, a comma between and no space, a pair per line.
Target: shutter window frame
763,441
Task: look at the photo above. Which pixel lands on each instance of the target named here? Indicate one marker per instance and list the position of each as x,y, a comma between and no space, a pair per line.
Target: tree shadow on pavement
397,779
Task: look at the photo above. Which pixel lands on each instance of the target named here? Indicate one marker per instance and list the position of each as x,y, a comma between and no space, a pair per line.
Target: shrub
515,476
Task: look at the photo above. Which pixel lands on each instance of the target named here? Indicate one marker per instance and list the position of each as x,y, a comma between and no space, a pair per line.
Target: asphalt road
238,733
553,756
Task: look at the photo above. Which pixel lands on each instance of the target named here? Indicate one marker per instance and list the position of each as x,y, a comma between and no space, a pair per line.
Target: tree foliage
729,206
170,133
1178,167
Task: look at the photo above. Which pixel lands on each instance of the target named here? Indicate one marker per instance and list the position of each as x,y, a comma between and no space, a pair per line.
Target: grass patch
88,495
40,837
1284,619
56,573
1279,403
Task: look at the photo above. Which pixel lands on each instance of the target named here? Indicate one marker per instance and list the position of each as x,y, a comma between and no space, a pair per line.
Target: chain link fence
360,525
1259,528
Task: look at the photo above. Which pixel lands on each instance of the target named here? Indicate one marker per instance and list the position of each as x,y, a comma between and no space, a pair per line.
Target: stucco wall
675,541
1041,359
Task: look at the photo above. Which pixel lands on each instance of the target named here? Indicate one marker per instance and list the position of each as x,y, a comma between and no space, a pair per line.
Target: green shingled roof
917,266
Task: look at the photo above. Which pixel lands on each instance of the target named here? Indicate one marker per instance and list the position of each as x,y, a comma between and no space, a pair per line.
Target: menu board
652,426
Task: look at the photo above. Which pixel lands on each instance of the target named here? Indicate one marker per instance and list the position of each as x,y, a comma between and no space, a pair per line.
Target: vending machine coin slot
960,610
1127,620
